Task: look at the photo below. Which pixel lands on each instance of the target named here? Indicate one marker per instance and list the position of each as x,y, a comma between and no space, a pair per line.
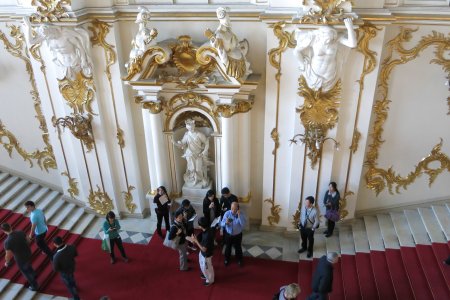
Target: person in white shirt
309,222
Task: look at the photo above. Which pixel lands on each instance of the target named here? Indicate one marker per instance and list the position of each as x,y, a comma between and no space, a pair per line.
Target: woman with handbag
162,202
111,227
331,202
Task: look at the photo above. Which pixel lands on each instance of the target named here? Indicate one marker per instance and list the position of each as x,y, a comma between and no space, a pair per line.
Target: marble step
320,245
41,196
3,176
70,222
12,291
360,236
94,227
48,297
3,284
7,184
84,224
373,233
346,242
388,233
12,192
65,212
25,293
52,211
333,243
402,229
431,224
443,217
418,230
20,199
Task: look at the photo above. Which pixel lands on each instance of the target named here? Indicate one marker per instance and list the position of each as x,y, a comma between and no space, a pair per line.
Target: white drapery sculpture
195,146
231,51
318,54
145,36
68,46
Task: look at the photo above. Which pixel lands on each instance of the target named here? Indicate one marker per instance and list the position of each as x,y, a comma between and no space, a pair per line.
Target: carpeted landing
152,272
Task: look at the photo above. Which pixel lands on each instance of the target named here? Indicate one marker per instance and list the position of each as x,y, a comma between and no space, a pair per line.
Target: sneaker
206,283
202,276
185,270
325,232
32,288
309,255
328,235
113,261
301,250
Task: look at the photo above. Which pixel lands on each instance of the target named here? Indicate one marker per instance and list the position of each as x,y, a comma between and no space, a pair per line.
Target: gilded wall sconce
80,127
313,138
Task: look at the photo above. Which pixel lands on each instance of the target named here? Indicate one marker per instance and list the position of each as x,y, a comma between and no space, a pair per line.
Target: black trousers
330,226
236,242
69,281
159,217
307,235
29,273
40,241
117,241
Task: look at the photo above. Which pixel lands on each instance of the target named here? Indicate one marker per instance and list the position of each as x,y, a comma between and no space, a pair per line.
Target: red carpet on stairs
441,253
365,276
419,283
350,277
382,276
400,279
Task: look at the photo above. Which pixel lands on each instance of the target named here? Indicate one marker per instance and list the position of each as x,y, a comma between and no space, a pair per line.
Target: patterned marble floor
267,245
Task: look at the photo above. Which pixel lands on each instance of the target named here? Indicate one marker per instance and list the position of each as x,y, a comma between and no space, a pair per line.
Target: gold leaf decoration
128,198
100,201
79,93
274,217
377,178
153,107
120,138
100,30
343,205
79,126
327,11
73,185
276,139
245,199
285,40
355,141
45,158
228,110
49,10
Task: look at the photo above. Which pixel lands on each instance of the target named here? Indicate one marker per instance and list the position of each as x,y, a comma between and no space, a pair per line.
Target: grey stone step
373,233
37,198
12,291
75,217
12,192
25,294
388,233
360,236
3,176
20,199
56,205
402,229
320,245
432,226
94,227
84,223
3,284
346,242
7,184
443,217
39,296
65,212
418,230
333,243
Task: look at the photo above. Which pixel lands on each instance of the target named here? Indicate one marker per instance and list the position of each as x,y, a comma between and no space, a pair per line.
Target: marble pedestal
195,195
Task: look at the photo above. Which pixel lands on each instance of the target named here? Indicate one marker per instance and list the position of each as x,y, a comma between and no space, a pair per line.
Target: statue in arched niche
145,36
68,46
318,54
231,51
195,146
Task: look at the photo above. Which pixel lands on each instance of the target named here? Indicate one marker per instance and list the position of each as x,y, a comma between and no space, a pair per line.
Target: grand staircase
69,221
392,255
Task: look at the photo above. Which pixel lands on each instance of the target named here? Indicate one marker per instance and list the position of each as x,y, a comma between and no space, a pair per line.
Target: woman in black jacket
331,202
211,206
162,202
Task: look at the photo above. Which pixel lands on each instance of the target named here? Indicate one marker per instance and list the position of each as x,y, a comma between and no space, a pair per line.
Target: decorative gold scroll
100,30
276,139
49,10
377,178
100,201
318,114
128,198
285,40
80,127
228,110
245,199
73,185
355,141
343,204
79,93
45,158
327,11
274,217
159,56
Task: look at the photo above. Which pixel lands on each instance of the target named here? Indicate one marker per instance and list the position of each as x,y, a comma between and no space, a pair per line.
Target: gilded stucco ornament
276,140
377,178
73,185
323,11
245,199
100,201
228,110
274,217
285,40
99,31
44,158
50,10
343,204
128,198
79,93
80,127
355,141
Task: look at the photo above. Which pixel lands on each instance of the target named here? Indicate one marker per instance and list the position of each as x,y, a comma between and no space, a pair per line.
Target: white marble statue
195,145
145,36
68,46
319,58
231,51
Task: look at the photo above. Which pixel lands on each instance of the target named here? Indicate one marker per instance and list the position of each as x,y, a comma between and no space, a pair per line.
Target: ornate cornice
50,10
